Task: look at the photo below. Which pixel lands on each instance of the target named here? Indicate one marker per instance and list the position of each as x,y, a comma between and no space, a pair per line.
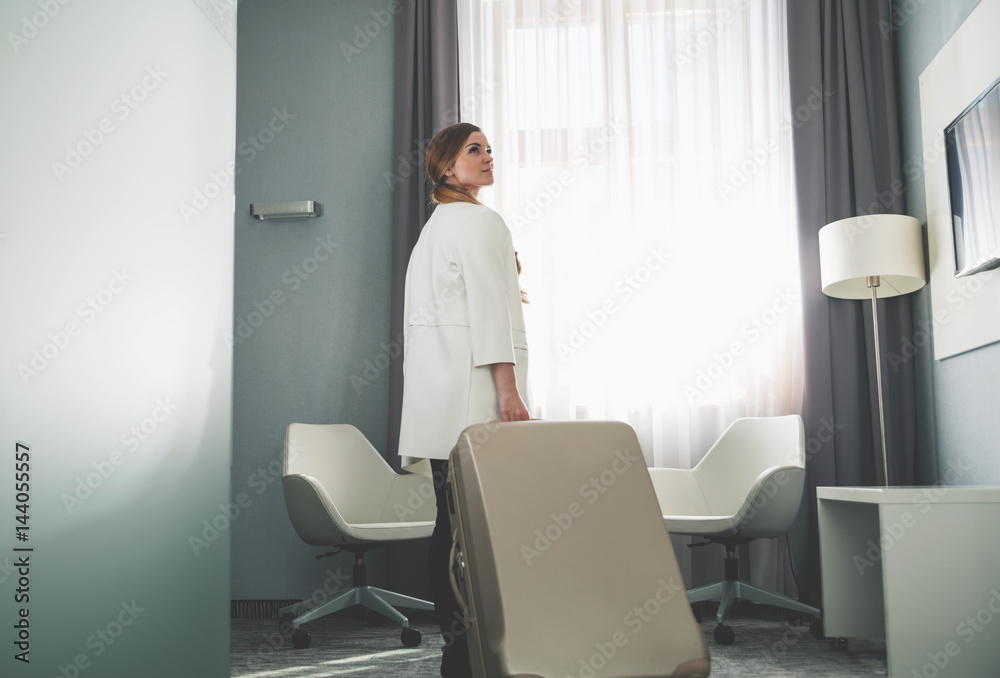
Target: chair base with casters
732,589
371,597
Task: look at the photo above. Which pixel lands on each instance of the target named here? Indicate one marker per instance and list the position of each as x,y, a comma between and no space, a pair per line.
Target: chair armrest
679,493
314,516
410,499
774,502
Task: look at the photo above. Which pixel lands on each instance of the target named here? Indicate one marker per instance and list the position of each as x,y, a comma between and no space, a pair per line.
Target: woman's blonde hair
442,152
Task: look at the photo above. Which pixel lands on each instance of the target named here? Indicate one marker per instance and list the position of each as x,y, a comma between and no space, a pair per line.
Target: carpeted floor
342,647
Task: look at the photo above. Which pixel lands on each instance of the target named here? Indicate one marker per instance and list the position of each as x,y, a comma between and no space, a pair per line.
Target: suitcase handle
452,564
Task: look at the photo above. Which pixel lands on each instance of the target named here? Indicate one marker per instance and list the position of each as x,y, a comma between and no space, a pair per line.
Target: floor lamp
869,257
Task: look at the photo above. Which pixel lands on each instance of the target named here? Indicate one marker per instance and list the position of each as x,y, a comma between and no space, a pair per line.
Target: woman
465,357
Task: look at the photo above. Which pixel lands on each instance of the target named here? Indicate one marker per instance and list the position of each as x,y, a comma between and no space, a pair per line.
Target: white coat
461,313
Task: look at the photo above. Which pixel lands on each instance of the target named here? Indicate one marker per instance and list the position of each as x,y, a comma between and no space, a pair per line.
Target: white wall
115,299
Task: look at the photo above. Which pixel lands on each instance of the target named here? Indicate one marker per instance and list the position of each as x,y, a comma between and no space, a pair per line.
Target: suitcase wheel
410,637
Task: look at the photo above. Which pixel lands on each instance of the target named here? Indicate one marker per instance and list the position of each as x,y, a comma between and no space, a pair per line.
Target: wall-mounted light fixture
284,210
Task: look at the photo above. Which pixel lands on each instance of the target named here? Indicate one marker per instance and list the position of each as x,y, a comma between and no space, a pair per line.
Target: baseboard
268,609
746,609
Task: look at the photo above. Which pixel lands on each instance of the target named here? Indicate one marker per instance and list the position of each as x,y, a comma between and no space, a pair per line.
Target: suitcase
561,559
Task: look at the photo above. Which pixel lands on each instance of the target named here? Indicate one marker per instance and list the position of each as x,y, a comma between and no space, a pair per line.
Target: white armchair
748,485
340,492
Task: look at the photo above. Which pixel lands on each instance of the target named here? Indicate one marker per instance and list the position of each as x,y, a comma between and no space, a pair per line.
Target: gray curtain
425,100
847,162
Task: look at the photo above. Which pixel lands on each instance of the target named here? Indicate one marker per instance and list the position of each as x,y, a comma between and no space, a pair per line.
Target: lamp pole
873,284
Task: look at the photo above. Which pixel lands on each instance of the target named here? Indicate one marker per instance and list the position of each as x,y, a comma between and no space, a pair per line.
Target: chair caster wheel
724,635
301,639
410,637
839,644
816,628
697,614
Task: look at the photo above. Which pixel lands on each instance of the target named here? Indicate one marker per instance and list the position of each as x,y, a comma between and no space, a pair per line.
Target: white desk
919,566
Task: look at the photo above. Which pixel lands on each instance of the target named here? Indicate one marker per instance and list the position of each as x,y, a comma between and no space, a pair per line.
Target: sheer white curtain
643,164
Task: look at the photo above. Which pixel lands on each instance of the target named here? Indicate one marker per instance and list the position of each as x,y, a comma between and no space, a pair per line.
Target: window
643,164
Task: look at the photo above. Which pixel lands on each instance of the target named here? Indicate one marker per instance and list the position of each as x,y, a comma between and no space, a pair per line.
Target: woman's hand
511,406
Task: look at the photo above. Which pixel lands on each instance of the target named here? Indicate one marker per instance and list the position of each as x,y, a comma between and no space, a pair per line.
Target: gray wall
294,360
115,294
959,426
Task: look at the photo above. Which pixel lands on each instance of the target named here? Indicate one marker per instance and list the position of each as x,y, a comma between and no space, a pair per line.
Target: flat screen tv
973,150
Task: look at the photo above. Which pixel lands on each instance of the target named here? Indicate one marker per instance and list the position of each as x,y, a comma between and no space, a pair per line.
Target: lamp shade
887,245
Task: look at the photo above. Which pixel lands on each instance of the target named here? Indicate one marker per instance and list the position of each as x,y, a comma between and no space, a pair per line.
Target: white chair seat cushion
679,489
699,524
388,531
